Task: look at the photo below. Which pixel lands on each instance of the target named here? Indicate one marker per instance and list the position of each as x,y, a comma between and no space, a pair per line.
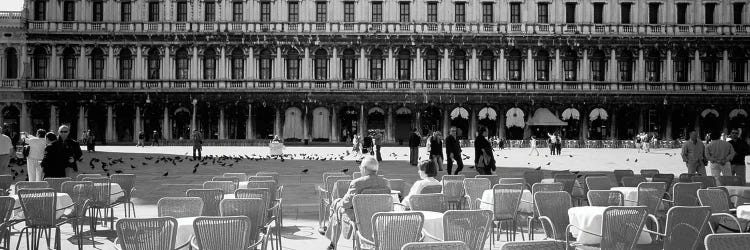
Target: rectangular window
69,67
570,13
652,70
570,70
265,11
709,70
238,68
459,69
294,12
376,69
431,69
487,69
126,68
209,68
404,12
542,13
710,13
542,70
210,12
265,68
153,11
97,68
237,12
348,69
682,13
625,13
348,11
98,11
183,68
514,69
292,69
40,10
69,11
377,12
320,12
460,12
653,13
182,9
321,68
126,12
626,70
598,12
738,12
153,67
11,66
681,70
432,12
487,13
404,69
597,70
40,67
738,70
515,12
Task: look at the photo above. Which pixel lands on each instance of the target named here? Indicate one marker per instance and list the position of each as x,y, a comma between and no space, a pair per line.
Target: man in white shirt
36,154
6,152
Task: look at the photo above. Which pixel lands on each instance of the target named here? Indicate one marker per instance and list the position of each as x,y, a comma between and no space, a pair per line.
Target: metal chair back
275,175
340,189
101,192
147,234
470,226
620,173
685,227
686,194
444,245
512,181
257,193
227,187
393,230
210,197
179,207
650,194
126,182
534,245
239,176
706,181
533,177
432,189
267,184
568,181
474,189
453,191
605,198
506,198
598,183
80,177
5,182
553,206
453,177
494,179
649,173
716,199
428,202
261,178
621,226
31,184
252,208
397,185
234,180
39,206
727,241
632,181
687,177
730,181
367,205
56,183
221,232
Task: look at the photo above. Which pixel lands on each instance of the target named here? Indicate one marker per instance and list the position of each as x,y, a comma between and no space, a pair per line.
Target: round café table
590,218
629,193
433,224
63,200
525,205
185,230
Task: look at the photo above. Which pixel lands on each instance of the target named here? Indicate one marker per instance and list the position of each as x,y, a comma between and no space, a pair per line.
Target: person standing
532,143
36,154
378,141
741,149
484,161
693,154
141,137
155,138
558,143
551,142
367,143
719,153
197,143
90,144
61,155
435,148
356,147
453,152
414,141
6,151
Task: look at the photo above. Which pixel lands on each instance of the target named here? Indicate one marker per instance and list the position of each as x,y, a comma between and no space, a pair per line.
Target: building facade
324,70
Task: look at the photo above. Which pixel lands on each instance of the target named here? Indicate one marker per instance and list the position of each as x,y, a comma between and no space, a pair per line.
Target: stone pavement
173,178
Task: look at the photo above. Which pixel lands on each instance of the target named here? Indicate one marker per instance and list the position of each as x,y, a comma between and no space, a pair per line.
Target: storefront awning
543,117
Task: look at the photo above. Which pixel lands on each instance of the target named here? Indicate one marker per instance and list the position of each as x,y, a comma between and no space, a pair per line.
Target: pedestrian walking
414,141
141,137
532,143
90,144
197,144
551,143
741,150
356,145
378,141
693,154
435,149
558,143
155,139
453,152
61,155
720,153
36,146
484,161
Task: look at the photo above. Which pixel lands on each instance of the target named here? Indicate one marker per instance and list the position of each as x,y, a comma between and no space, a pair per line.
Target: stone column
109,68
473,70
109,133
697,67
138,66
277,123
278,65
389,127
640,119
446,120
222,124
669,67
53,118
389,67
501,124
335,131
81,122
668,112
418,65
418,121
584,127
472,123
640,68
362,69
445,69
613,74
305,125
698,125
249,133
333,66
82,71
725,67
193,121
54,65
137,124
362,126
23,62
165,134
529,67
613,123
25,123
556,69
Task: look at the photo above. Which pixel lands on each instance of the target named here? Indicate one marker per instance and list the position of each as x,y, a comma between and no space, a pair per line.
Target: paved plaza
157,177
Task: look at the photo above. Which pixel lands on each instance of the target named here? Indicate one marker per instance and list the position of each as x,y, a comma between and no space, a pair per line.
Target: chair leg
21,237
531,228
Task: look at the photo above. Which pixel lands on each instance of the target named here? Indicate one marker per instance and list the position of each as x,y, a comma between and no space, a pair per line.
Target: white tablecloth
488,201
577,188
63,200
743,212
433,224
590,219
276,148
630,194
184,230
742,191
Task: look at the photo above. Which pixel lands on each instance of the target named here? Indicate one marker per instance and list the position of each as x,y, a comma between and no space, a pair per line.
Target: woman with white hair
343,208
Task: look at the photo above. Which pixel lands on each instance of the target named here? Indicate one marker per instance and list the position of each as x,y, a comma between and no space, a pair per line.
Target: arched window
541,63
69,63
570,65
598,66
376,64
292,64
738,61
321,64
11,63
459,65
264,67
183,64
625,66
40,63
404,64
709,62
97,64
209,64
487,65
154,64
653,66
348,62
126,64
515,62
682,66
431,62
238,64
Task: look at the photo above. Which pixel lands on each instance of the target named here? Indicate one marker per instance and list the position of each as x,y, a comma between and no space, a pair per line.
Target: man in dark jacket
414,141
60,156
741,150
453,152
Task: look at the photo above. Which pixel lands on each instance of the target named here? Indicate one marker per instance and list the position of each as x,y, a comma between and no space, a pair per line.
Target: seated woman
343,208
427,173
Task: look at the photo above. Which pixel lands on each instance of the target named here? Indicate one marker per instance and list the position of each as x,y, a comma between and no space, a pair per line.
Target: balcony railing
352,27
14,15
